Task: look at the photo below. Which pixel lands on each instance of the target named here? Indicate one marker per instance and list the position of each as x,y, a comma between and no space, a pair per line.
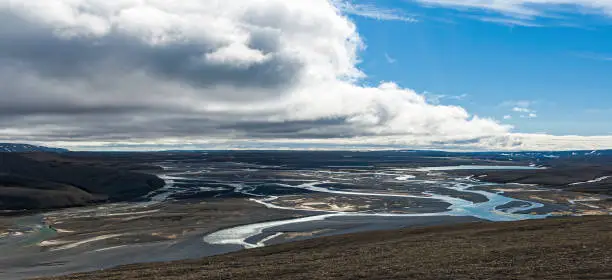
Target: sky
316,74
556,64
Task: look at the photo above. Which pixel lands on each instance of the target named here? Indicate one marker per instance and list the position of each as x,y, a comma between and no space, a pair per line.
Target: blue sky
558,66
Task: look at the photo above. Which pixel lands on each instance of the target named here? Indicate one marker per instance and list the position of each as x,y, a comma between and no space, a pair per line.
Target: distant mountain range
523,154
498,155
25,148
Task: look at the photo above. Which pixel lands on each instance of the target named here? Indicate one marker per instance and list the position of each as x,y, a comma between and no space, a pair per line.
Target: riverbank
105,236
560,248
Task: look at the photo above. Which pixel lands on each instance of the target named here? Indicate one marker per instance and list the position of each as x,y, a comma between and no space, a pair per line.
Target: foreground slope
564,248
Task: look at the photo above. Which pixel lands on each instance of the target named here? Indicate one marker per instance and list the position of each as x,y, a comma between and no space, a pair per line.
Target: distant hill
26,148
45,181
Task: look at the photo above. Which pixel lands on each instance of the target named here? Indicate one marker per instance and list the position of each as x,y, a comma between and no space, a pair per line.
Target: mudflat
559,248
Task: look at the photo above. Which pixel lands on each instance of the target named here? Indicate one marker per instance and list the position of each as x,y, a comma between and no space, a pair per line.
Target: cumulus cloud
83,72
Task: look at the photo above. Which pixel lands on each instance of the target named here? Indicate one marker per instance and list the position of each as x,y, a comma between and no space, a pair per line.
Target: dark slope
579,178
566,248
589,172
26,183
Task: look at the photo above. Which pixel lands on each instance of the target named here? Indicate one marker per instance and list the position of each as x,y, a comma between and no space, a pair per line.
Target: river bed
214,208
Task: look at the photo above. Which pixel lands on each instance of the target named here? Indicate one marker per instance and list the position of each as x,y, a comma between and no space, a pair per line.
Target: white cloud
518,103
528,13
390,59
260,69
372,11
438,98
526,8
510,142
164,72
508,21
521,110
238,55
595,56
507,117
